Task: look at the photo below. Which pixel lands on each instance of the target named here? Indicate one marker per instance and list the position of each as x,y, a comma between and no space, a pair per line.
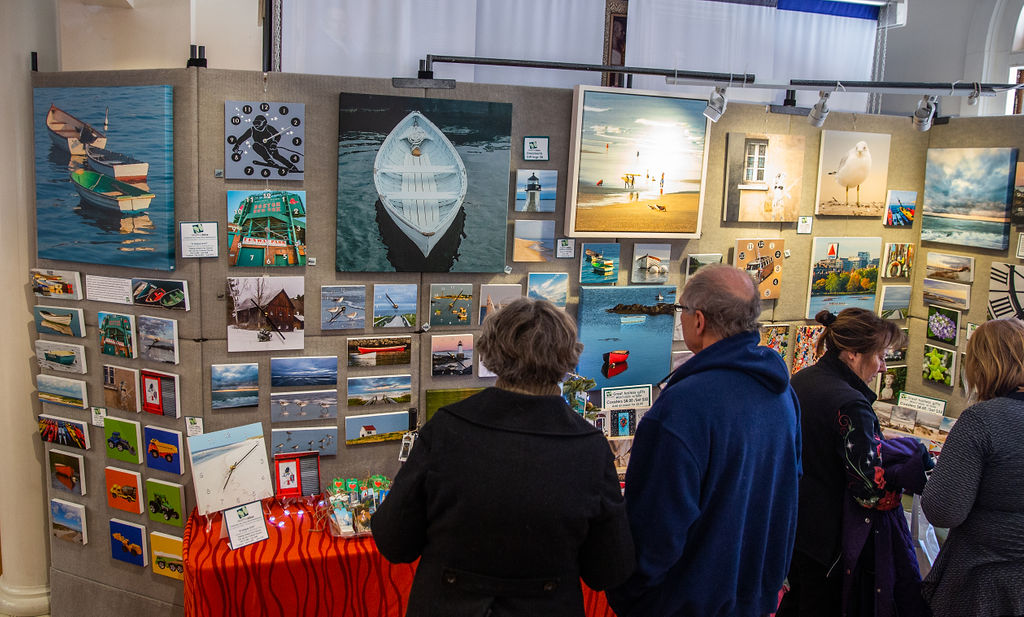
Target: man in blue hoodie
711,488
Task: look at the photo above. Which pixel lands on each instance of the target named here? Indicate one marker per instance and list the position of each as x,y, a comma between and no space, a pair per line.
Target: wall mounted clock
264,140
762,259
1006,291
229,467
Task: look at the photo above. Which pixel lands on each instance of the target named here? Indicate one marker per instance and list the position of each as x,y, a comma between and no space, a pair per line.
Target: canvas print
451,354
234,385
121,388
621,448
117,335
895,302
63,357
380,351
160,293
762,260
63,284
304,405
322,439
968,193
59,320
166,555
67,521
163,449
266,228
599,263
535,190
264,139
266,313
892,382
493,296
533,241
104,159
927,423
421,183
903,418
63,431
436,399
852,162
1017,208
805,347
158,339
550,286
899,260
637,164
450,304
377,427
956,295
763,177
695,261
394,306
899,208
947,267
124,489
650,263
776,336
1006,291
67,471
898,354
161,394
626,333
123,439
379,390
939,365
128,542
166,502
306,371
62,391
342,307
844,273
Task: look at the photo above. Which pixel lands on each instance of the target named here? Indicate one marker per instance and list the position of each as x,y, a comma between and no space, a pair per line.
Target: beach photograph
121,388
322,439
379,390
451,304
451,354
899,208
639,164
158,339
535,190
844,273
899,260
436,399
895,302
234,385
968,193
599,263
376,427
62,391
550,286
59,320
853,168
64,357
266,313
342,307
947,267
943,325
695,261
304,405
533,241
305,371
67,521
394,306
493,296
650,264
763,177
379,351
956,295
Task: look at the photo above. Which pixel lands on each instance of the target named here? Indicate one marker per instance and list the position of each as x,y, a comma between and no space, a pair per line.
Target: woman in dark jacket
509,497
846,482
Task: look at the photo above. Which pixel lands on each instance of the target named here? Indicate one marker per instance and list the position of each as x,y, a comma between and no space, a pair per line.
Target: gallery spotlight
924,113
972,98
716,105
819,112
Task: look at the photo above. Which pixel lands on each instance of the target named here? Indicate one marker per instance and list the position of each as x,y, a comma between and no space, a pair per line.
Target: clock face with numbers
762,259
1006,291
264,140
230,468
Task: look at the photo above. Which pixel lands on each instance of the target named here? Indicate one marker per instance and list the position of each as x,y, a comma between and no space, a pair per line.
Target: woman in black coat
509,497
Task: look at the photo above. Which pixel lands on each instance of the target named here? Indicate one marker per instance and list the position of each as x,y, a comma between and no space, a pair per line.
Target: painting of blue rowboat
626,333
104,162
421,182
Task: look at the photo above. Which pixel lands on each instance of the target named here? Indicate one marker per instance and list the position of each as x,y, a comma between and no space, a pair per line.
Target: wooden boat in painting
421,180
64,357
383,349
63,320
105,192
603,266
616,357
116,165
71,134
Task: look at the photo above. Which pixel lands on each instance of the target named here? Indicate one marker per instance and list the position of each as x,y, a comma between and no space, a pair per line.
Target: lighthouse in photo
532,193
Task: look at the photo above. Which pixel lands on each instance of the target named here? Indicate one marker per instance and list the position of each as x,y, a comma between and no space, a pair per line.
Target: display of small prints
805,347
776,336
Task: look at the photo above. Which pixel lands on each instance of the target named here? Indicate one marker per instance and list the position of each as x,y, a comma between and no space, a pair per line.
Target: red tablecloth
300,572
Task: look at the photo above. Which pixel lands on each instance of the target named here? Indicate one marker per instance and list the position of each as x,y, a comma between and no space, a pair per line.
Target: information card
245,525
199,239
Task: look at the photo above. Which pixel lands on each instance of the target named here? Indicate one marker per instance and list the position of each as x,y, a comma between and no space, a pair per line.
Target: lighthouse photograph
535,190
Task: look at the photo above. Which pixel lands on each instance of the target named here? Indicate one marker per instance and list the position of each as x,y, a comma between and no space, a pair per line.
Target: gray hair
529,343
727,296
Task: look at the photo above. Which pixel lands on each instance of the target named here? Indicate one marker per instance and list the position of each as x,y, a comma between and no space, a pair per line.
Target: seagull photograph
852,173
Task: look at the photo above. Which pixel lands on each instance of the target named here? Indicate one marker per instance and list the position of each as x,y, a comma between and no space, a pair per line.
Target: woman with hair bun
977,488
853,554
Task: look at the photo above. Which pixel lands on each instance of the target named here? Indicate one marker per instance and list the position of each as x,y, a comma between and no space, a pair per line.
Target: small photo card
199,239
535,148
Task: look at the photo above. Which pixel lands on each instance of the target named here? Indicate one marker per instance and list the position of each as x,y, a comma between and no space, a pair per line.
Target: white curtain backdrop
774,45
387,38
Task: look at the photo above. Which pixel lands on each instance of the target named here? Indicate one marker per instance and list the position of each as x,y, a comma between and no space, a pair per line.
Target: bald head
727,297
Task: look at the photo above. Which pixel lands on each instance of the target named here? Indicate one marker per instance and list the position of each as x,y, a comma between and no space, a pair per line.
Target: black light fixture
820,110
716,104
925,112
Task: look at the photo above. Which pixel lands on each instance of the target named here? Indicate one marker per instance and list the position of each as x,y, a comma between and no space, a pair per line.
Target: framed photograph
637,165
946,267
852,162
535,148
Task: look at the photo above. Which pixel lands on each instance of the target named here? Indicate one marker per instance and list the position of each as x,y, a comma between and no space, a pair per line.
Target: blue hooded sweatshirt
711,488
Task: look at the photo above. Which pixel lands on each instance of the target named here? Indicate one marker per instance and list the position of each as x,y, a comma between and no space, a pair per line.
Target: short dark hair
529,343
858,330
712,291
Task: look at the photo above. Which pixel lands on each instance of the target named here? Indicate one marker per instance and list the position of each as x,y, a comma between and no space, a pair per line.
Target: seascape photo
394,306
62,391
550,286
234,385
957,295
600,263
323,439
379,390
947,267
451,354
379,351
342,307
844,273
451,304
533,241
967,196
304,405
421,182
105,175
650,264
307,371
535,190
